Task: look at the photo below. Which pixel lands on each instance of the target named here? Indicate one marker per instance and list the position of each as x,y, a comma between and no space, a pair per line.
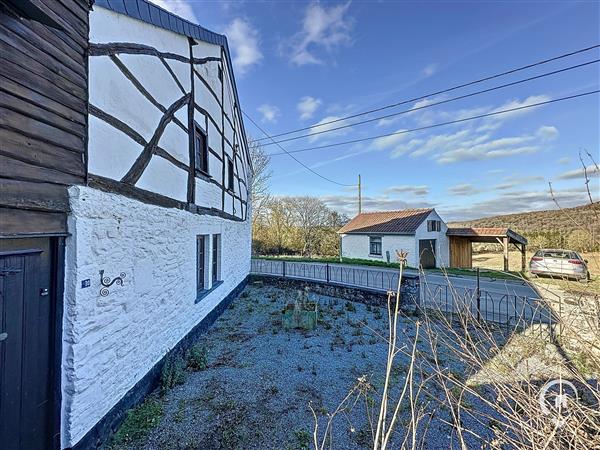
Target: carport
461,244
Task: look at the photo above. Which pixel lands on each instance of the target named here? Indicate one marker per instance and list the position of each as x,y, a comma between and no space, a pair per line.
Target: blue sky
301,63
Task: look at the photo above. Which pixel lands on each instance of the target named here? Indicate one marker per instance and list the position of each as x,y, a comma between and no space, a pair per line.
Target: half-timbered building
124,209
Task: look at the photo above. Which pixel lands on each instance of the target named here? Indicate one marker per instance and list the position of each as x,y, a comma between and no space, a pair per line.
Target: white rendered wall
357,245
442,250
111,342
111,152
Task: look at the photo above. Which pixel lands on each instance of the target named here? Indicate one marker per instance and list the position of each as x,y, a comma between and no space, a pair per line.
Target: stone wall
111,342
409,290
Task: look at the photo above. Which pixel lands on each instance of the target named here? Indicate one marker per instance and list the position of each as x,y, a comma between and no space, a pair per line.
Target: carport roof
404,221
478,234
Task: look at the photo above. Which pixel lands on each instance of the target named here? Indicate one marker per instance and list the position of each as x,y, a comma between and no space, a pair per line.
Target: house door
427,253
28,356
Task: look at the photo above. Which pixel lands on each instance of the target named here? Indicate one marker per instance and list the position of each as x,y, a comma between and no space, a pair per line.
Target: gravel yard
255,380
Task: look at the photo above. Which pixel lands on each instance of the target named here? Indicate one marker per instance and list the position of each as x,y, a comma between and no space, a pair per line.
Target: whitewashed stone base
110,343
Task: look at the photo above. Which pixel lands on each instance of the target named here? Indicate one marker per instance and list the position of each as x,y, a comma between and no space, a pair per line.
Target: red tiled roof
486,232
405,221
477,232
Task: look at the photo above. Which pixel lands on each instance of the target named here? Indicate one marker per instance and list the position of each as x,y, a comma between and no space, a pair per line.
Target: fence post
284,269
327,270
478,293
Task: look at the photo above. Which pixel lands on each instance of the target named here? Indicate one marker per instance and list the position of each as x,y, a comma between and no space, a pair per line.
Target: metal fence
364,277
501,308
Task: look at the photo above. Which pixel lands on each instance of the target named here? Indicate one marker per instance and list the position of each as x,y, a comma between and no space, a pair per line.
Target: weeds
197,358
138,423
172,374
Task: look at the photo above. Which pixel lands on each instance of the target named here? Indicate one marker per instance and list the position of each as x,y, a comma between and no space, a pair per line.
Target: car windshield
559,254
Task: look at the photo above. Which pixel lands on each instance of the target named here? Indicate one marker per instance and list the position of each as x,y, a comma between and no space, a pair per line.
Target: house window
201,149
230,174
434,225
375,245
201,242
216,253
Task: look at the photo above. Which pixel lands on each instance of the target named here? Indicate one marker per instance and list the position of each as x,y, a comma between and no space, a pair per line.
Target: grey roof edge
385,233
177,25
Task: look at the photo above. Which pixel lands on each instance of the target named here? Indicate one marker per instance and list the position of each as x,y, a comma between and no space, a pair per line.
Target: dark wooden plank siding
43,114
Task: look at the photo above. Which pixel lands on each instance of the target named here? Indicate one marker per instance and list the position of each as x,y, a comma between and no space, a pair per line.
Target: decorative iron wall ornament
106,282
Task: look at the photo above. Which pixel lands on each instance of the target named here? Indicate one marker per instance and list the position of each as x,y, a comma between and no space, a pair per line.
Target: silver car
559,262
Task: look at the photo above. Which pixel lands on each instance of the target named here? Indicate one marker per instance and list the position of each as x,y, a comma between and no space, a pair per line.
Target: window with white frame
375,245
434,225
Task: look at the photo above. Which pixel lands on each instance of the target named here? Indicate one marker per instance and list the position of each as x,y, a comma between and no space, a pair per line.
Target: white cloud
547,133
322,28
429,70
269,113
533,99
418,190
244,42
348,204
564,160
514,202
307,106
514,181
317,128
592,172
179,8
463,189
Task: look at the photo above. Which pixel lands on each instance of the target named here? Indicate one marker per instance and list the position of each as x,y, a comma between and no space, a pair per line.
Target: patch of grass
172,374
230,427
138,423
301,440
197,358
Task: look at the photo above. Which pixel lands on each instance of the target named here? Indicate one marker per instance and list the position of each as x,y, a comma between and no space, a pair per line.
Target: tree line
296,226
289,225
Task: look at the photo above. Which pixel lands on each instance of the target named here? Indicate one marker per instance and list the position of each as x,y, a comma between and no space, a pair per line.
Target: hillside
564,220
576,227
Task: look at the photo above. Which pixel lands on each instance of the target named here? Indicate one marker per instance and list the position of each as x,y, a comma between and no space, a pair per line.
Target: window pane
215,257
200,262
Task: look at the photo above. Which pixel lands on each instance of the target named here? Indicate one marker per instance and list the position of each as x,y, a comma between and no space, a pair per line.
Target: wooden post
505,245
523,257
359,196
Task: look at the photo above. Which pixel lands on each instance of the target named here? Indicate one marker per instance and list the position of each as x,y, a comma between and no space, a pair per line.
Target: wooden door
427,253
27,345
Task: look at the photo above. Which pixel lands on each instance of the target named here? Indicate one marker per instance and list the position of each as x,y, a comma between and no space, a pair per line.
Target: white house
160,235
377,236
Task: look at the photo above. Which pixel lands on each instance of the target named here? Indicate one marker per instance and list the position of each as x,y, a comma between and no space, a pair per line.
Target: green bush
197,358
173,374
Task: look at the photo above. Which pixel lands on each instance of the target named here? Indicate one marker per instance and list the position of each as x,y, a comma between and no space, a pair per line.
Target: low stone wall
410,290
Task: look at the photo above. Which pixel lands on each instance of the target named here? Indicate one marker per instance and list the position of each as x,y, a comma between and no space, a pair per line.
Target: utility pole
359,196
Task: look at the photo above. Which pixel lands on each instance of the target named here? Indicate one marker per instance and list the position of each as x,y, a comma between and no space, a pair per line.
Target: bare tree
310,214
261,175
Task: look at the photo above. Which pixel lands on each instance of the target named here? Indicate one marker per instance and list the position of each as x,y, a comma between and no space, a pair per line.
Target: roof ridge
396,210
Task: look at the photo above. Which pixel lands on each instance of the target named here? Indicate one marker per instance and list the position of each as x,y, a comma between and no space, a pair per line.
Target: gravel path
255,392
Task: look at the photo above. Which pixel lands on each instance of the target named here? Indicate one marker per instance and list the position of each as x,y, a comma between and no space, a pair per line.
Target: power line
336,144
443,91
461,97
293,157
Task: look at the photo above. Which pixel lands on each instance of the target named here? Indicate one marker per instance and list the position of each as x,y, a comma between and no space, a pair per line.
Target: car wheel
585,280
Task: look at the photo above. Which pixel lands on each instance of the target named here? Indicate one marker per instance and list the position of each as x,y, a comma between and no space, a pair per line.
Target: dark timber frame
151,147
